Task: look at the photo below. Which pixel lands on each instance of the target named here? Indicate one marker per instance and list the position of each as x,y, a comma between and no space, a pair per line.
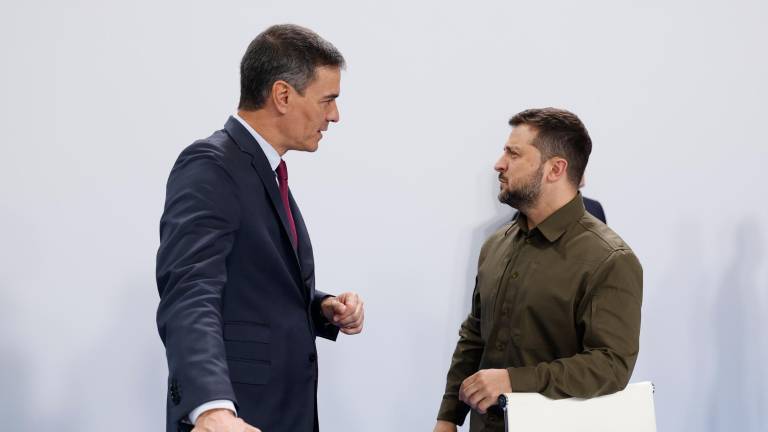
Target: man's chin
503,198
506,198
311,147
503,194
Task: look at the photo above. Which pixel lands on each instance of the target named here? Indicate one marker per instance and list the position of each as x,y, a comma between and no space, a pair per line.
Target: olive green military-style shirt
558,306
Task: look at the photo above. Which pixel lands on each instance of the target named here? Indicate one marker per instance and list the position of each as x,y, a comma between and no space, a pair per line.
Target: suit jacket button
174,393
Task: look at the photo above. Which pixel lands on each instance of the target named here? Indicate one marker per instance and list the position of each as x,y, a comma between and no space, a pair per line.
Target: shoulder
217,148
207,163
593,239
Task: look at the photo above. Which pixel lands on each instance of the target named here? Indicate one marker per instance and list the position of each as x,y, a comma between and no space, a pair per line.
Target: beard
525,195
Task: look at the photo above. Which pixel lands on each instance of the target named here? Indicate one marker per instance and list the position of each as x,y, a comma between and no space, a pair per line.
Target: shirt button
515,275
499,346
528,241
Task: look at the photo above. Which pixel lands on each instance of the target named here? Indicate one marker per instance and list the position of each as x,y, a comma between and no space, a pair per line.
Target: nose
333,113
500,166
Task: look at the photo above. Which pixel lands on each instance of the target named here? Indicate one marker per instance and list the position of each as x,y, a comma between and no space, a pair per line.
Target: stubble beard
524,196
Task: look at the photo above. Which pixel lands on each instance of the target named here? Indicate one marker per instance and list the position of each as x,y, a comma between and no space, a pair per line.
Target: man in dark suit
238,310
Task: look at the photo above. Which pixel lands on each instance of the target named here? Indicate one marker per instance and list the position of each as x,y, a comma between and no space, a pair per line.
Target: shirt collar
266,147
558,222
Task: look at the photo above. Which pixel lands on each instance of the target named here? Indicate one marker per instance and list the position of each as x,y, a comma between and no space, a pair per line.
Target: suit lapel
306,258
259,162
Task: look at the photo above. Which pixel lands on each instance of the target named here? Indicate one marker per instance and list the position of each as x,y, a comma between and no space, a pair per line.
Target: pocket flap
246,332
248,372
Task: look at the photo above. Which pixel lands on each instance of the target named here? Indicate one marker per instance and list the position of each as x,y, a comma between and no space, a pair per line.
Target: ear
280,94
558,169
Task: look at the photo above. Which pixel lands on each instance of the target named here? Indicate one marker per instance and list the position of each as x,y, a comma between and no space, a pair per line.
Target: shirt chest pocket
546,307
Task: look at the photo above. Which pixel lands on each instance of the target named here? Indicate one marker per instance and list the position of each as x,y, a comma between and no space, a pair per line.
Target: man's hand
222,420
444,426
344,311
482,390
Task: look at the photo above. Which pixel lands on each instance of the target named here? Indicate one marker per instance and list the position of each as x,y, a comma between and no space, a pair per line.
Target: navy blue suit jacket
594,208
238,309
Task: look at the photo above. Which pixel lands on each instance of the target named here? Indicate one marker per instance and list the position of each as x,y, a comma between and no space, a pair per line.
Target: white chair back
630,410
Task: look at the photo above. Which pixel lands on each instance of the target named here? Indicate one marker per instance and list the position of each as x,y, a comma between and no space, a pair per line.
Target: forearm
593,373
465,362
192,327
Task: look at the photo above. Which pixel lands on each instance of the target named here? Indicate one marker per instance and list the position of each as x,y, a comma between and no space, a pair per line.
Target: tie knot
282,171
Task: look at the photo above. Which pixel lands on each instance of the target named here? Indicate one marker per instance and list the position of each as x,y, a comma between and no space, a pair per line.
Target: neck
547,204
266,125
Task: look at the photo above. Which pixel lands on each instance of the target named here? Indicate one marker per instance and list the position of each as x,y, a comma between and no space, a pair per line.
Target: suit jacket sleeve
323,327
196,235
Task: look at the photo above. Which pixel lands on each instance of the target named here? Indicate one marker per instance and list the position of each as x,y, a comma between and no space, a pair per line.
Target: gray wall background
98,98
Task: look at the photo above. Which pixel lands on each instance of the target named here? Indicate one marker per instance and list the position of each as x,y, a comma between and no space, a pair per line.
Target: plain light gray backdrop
98,98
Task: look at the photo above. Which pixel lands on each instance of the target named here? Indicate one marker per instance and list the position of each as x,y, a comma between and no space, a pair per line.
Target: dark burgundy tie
282,181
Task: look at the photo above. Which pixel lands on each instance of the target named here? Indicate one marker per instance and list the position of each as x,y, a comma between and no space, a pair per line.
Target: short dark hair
558,133
283,52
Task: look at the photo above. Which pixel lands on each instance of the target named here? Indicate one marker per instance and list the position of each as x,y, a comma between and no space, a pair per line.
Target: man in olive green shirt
556,305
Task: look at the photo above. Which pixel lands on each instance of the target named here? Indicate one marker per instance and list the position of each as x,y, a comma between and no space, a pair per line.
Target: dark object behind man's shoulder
595,209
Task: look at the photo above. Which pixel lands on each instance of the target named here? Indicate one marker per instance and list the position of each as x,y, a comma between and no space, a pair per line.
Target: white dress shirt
274,160
272,156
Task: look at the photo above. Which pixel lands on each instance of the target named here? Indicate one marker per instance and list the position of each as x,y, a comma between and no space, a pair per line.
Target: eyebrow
331,96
